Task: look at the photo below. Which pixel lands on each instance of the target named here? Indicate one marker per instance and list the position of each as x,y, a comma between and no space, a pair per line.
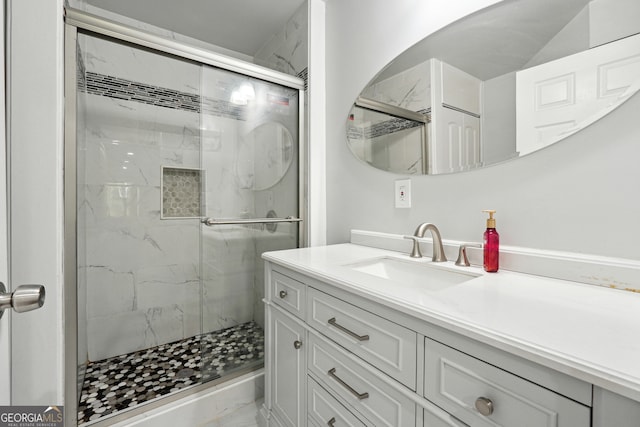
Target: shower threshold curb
195,405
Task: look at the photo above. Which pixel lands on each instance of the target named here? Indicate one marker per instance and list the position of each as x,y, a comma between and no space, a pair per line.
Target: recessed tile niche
181,190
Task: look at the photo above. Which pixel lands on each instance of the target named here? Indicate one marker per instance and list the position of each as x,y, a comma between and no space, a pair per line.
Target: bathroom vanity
363,336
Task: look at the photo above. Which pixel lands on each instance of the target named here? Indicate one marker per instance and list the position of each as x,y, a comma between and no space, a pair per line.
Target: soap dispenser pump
491,244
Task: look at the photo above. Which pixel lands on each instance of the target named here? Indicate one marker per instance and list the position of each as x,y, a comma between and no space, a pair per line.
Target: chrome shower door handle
25,298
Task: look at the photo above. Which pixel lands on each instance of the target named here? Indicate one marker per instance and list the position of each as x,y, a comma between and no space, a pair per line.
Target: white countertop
586,331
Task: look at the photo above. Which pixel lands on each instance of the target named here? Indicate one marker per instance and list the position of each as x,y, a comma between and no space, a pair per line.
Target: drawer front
384,344
324,409
442,419
465,387
369,395
288,294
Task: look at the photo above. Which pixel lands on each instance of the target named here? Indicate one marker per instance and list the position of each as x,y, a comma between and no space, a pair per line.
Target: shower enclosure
179,176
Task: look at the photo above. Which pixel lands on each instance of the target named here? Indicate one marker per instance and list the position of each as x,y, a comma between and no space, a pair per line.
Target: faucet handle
462,260
415,251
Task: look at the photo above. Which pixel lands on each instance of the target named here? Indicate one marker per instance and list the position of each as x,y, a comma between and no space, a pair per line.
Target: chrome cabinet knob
297,344
283,294
25,298
484,406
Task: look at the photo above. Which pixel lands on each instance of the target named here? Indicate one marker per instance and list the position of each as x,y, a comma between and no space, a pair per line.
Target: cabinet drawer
365,391
324,409
441,420
288,294
457,382
384,344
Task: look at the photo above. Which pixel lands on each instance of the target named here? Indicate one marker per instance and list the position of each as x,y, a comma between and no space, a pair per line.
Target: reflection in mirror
264,156
498,84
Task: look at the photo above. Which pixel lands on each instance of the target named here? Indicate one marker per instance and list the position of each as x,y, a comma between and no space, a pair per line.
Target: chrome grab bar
360,396
333,322
213,221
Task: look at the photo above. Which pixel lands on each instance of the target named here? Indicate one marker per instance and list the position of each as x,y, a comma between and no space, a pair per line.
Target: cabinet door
288,381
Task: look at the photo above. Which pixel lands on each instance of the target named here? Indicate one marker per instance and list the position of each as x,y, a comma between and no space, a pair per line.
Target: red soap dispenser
491,244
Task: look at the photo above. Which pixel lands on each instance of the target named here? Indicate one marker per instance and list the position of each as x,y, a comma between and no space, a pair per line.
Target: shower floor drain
185,373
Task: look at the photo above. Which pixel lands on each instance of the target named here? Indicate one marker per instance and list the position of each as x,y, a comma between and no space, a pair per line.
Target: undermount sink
414,273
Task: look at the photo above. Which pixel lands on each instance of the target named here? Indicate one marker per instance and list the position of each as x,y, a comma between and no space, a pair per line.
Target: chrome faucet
438,250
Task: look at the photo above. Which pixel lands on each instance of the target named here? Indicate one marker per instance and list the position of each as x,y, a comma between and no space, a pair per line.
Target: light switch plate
403,193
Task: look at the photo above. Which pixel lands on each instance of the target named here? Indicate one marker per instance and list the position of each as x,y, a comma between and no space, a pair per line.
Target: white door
30,296
5,342
560,97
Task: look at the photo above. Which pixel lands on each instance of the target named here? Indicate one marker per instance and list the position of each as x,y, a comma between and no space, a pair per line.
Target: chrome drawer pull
331,422
283,294
360,396
333,322
484,406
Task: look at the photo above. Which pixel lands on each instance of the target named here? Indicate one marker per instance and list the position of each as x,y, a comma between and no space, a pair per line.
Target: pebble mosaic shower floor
122,382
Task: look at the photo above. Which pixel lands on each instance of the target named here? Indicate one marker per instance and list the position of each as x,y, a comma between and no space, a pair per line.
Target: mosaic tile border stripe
127,90
304,75
386,127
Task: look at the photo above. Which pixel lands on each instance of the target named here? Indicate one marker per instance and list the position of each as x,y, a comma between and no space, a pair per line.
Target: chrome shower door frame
77,21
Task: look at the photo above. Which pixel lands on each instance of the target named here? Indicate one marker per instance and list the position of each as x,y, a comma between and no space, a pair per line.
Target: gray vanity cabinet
339,359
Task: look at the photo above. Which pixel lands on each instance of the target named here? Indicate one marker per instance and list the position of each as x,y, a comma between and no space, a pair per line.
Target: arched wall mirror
498,84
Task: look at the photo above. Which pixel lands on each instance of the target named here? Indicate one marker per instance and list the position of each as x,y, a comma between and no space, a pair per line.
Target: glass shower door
250,186
185,175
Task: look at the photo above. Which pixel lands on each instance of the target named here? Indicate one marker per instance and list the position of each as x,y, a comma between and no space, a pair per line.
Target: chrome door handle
25,298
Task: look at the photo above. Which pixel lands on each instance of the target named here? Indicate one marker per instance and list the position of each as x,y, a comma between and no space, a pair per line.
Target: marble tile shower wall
233,167
140,274
287,51
408,89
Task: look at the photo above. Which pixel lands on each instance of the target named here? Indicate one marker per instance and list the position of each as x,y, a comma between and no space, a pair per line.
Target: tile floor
121,382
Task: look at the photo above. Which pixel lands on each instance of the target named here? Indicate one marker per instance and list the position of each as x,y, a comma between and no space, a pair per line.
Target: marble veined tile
116,334
127,62
162,286
108,291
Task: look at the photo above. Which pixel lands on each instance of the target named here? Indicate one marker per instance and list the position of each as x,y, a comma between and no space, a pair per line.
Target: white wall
579,195
36,196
